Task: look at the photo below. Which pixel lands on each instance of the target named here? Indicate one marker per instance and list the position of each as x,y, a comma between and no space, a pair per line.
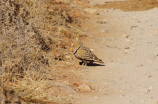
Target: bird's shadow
92,64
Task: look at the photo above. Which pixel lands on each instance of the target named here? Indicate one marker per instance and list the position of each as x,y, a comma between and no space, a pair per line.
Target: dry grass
28,33
35,86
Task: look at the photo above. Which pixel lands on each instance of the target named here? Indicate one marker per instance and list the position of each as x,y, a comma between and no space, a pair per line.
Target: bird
83,53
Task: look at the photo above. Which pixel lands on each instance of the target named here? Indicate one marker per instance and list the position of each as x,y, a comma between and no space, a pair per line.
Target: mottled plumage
83,53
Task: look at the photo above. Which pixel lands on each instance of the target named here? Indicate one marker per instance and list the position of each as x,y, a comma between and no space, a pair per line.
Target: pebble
128,40
68,58
155,32
148,90
92,49
50,10
125,52
66,82
105,11
84,88
70,49
104,21
126,47
91,11
125,35
73,6
140,65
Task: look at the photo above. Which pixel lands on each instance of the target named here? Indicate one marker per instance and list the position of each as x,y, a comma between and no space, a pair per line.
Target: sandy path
130,73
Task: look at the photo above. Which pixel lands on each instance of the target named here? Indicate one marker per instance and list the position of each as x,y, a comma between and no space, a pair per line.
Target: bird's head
77,40
76,34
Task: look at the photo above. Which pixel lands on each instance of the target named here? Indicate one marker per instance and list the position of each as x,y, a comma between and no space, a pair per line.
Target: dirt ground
123,34
126,40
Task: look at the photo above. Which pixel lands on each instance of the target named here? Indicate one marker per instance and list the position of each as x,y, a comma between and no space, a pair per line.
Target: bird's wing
84,53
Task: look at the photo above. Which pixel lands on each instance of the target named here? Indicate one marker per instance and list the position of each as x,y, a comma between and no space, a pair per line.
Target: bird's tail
100,61
97,59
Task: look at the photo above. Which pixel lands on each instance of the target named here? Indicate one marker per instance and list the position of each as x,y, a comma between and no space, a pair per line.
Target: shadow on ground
92,64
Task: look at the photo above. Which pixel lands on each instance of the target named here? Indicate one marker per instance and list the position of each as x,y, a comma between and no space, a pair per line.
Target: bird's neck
78,43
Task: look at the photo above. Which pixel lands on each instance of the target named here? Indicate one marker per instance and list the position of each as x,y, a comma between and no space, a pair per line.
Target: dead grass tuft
29,31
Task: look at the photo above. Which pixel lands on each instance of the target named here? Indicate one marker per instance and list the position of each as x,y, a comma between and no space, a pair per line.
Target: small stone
105,11
84,88
155,32
150,88
126,47
73,6
68,58
92,49
91,11
125,35
128,40
140,65
50,10
71,49
66,82
147,91
101,22
125,52
149,76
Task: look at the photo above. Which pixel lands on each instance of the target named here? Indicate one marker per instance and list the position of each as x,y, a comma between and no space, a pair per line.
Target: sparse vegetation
30,31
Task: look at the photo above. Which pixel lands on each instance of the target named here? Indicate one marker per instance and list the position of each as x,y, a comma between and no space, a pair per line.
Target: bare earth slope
127,43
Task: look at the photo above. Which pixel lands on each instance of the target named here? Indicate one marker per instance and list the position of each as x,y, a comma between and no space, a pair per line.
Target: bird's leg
91,62
84,62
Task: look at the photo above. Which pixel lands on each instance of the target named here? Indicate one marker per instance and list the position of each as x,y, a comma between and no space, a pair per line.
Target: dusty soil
123,35
126,40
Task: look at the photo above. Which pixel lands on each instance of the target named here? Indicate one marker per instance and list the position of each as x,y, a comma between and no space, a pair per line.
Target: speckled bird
83,53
